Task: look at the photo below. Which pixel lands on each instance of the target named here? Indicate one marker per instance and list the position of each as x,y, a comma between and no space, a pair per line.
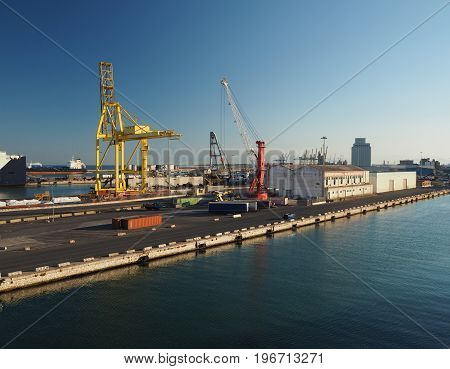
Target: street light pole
168,161
323,149
420,164
168,164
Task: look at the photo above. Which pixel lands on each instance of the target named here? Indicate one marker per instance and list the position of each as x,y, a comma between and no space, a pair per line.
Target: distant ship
12,170
74,166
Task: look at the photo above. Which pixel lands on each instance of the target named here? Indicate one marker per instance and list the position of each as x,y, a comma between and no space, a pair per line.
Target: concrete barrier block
162,245
27,248
132,251
85,260
260,226
121,234
207,236
219,234
243,229
2,221
42,268
216,219
236,231
197,238
189,239
91,212
31,219
237,215
172,243
113,254
148,248
15,220
172,226
227,232
15,274
252,227
62,265
65,215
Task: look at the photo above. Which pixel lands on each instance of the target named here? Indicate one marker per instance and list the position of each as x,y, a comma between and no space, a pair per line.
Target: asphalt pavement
94,236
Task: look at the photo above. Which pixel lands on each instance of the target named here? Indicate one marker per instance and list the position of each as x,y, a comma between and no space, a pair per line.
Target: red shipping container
141,222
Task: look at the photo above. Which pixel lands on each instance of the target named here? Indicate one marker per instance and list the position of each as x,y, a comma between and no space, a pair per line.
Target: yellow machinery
44,196
115,127
225,196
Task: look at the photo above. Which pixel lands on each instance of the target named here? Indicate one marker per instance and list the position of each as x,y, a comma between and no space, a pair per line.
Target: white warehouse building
319,181
392,181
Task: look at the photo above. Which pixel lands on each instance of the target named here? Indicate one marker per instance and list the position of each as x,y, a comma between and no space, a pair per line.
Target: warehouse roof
326,168
339,168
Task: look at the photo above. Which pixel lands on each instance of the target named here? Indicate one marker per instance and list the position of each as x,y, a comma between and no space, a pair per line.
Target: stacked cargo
129,223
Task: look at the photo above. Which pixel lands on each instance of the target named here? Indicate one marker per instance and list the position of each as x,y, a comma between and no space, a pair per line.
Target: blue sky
281,57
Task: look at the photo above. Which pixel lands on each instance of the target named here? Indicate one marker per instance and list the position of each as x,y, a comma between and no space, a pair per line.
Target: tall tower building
361,153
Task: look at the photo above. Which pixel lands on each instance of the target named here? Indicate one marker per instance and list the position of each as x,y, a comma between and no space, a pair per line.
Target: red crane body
257,187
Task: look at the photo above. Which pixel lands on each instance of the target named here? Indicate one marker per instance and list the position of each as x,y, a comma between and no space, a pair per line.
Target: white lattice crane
245,127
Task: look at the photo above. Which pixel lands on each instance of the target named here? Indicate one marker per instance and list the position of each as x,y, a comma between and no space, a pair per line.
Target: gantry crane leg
116,126
144,163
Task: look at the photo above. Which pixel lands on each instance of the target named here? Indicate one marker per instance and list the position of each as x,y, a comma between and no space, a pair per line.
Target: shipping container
116,223
228,207
136,222
252,204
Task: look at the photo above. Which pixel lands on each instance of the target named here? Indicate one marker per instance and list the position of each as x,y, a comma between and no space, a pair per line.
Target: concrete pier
67,268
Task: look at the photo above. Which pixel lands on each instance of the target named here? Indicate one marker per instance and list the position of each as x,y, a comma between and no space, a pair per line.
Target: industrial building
361,153
12,170
329,182
392,181
406,166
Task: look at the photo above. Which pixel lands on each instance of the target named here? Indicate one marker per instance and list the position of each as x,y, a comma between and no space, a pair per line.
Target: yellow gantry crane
115,127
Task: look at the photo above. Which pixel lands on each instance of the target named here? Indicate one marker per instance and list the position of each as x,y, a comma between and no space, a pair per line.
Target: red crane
257,187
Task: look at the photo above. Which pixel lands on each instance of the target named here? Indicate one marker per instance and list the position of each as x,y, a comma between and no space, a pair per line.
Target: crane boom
238,119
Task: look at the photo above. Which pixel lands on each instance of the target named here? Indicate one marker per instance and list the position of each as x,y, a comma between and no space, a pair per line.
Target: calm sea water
375,281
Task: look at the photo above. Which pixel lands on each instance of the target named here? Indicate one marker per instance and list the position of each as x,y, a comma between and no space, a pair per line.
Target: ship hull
13,173
44,170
